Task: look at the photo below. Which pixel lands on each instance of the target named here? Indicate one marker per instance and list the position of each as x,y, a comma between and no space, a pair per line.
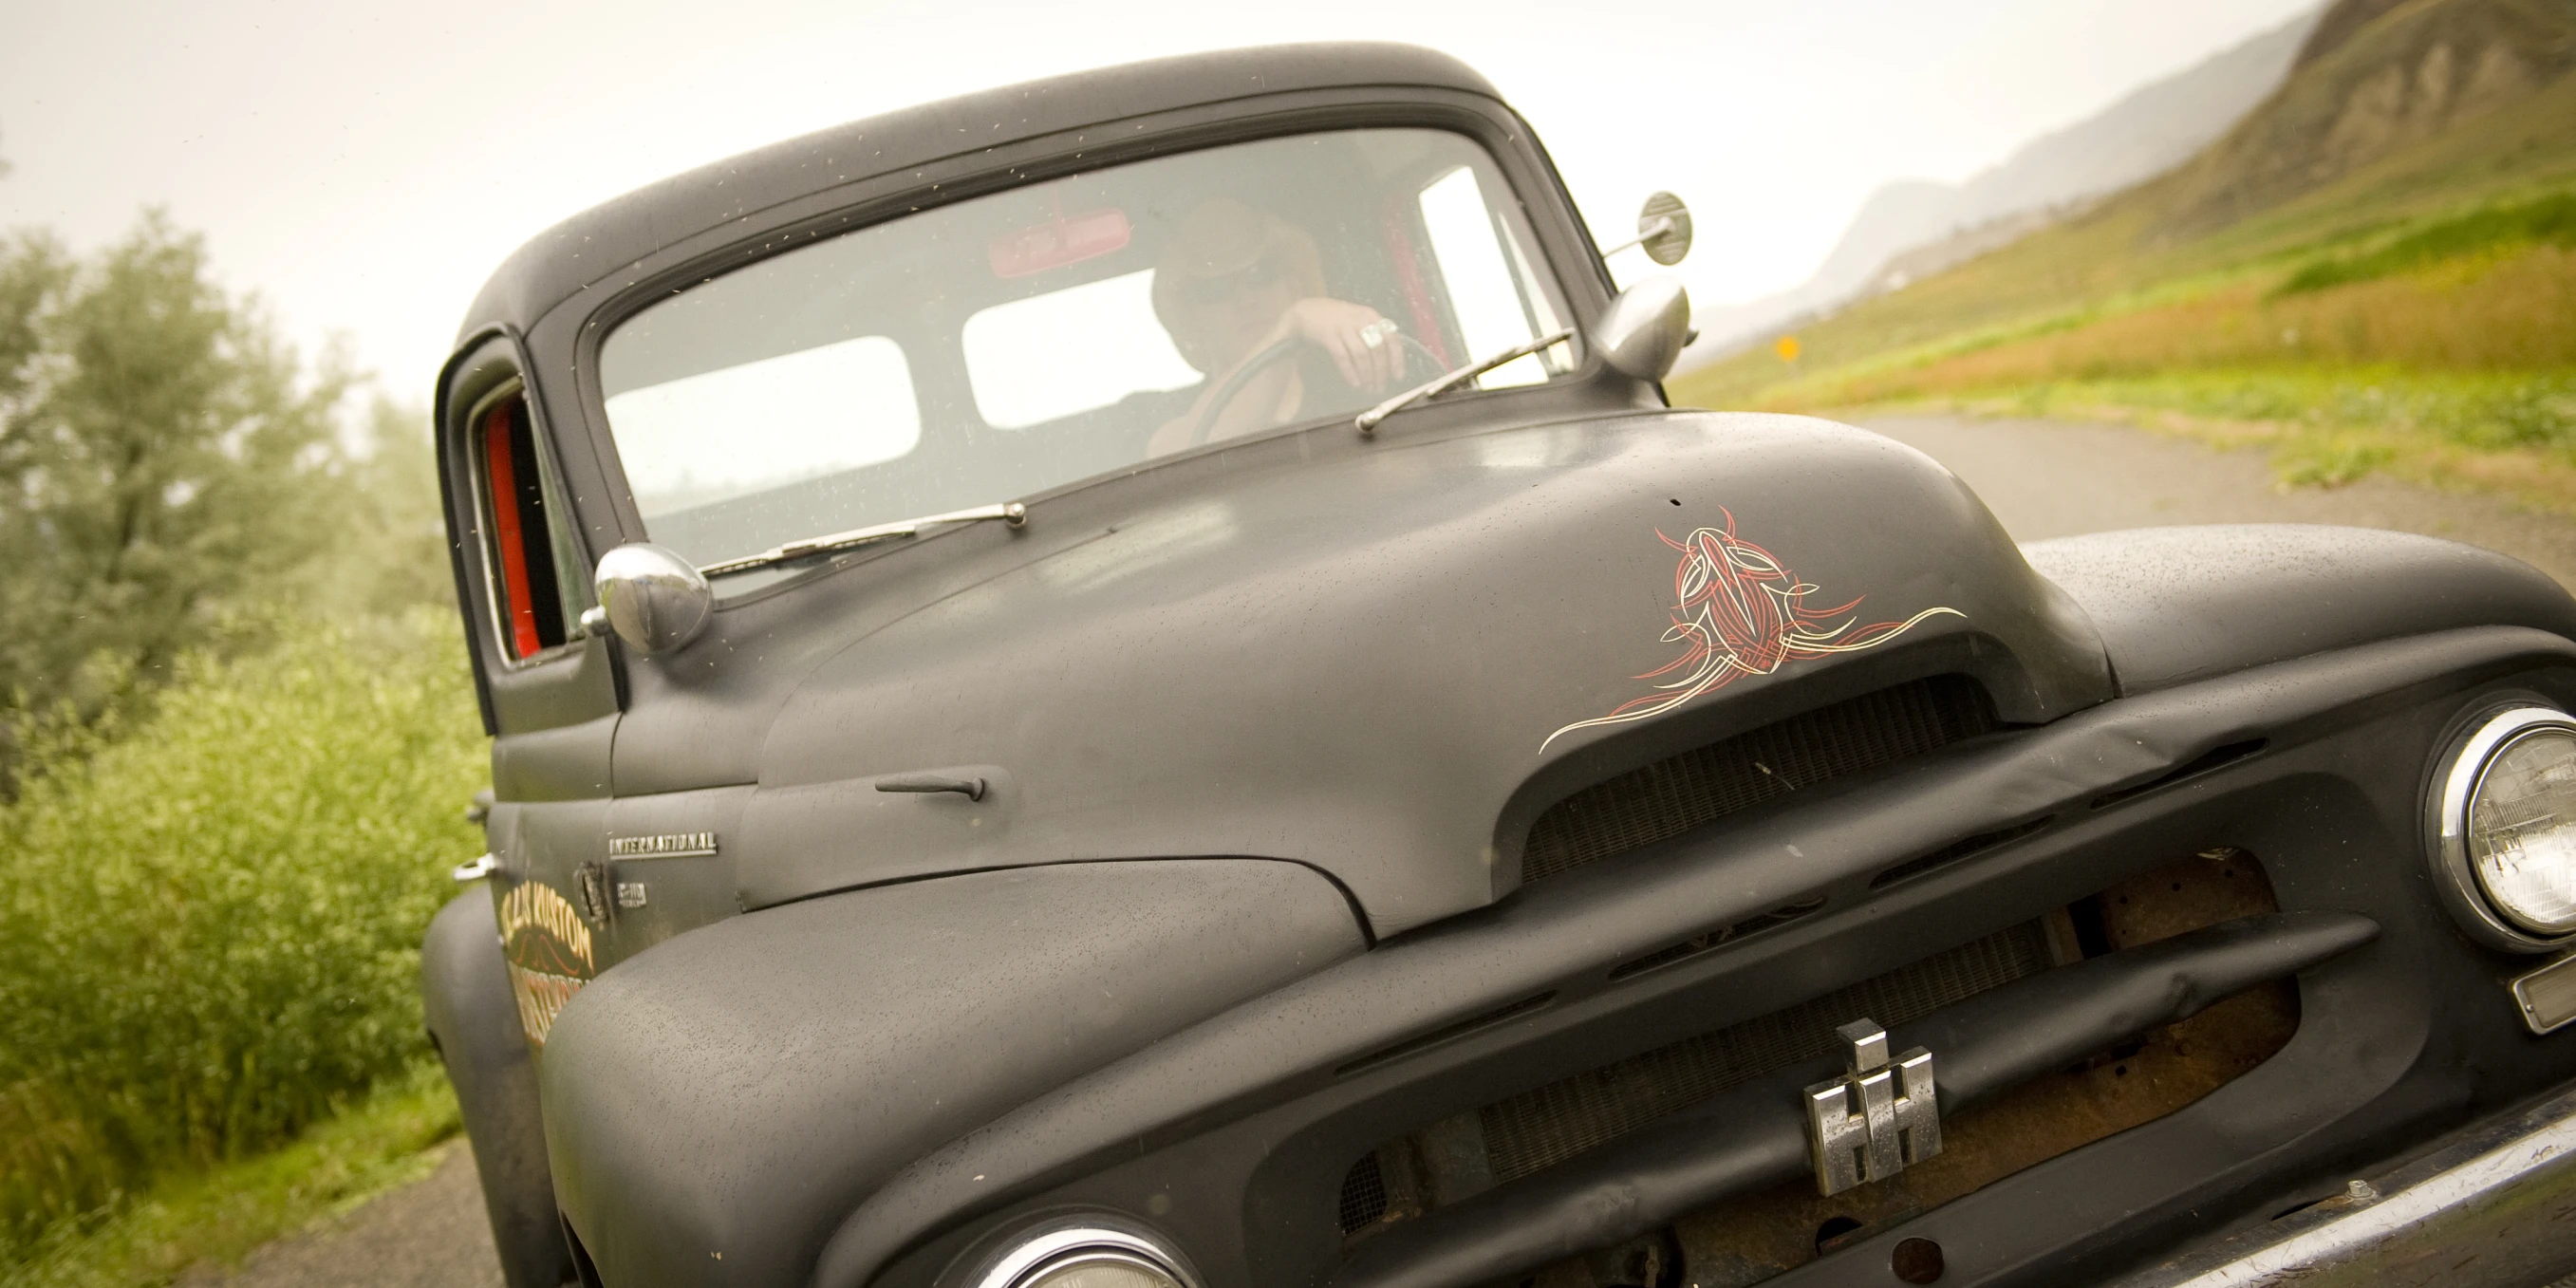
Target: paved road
430,1234
2048,479
2043,480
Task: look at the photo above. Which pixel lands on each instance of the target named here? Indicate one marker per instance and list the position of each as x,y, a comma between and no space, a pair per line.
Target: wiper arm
1010,512
1368,420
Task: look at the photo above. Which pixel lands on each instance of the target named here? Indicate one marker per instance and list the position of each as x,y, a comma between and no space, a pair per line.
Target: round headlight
1081,1252
1103,1270
2507,828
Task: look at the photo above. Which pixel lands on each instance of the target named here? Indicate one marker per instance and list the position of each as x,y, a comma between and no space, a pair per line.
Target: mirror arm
1662,225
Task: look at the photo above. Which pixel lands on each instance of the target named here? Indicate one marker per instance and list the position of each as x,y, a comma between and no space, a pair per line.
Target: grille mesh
1672,796
1363,1194
1547,1125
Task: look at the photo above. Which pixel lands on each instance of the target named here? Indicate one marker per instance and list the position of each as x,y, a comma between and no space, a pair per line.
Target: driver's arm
1355,336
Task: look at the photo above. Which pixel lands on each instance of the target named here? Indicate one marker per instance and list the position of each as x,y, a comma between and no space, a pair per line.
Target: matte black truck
1128,682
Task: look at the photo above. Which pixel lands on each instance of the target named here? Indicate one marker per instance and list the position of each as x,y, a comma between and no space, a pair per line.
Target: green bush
209,922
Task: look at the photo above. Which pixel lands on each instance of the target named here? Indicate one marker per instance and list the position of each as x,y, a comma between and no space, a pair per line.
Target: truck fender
474,1023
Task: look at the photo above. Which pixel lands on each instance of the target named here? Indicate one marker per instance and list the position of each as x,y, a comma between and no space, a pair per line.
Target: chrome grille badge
1877,1118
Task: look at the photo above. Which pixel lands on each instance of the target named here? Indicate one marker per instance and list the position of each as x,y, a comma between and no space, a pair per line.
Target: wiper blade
1368,420
1010,512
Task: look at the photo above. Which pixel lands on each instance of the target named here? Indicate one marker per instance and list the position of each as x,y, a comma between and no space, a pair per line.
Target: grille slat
1672,796
1547,1125
1544,1126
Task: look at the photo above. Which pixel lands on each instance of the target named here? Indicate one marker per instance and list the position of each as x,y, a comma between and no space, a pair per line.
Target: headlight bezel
1026,1252
2470,754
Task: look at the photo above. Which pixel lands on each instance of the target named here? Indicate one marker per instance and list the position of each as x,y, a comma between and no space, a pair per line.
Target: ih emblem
1875,1120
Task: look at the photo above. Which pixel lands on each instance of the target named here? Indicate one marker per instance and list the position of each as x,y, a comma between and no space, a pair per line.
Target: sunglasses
1211,291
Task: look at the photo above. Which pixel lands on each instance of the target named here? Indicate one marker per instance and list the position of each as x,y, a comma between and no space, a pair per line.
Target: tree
163,459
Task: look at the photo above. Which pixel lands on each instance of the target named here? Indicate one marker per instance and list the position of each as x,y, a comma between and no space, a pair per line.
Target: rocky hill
2375,78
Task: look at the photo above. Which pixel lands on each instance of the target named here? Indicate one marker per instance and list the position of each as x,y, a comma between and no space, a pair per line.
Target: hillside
1913,227
2383,253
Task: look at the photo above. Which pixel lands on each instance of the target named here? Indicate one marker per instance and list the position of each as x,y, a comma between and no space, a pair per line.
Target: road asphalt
2043,479
2051,479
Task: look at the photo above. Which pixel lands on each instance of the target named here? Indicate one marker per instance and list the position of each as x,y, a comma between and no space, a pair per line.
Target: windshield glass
986,350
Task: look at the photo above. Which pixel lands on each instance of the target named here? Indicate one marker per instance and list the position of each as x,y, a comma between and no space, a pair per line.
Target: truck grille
1755,1235
1544,1126
1674,795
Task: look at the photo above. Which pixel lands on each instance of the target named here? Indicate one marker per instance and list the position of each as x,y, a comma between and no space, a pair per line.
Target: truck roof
604,244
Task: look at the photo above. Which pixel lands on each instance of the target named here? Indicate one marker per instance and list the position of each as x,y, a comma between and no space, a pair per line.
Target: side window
534,566
1491,292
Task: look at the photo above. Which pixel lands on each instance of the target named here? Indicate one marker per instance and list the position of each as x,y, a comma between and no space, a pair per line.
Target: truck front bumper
2493,1205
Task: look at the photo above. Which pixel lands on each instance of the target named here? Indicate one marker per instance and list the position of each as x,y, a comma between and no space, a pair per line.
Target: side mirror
1663,229
1642,332
652,598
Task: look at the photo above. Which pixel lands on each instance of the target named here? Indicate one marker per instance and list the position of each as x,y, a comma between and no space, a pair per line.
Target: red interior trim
1408,274
520,610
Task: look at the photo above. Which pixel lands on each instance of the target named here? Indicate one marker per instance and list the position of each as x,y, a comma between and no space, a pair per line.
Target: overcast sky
365,166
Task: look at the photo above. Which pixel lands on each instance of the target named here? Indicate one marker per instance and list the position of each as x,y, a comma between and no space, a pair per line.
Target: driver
1236,283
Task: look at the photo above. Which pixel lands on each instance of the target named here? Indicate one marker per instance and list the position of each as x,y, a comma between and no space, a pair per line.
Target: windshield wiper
1010,512
1368,420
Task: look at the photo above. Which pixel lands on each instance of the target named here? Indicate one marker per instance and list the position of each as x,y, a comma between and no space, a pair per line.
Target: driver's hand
1362,344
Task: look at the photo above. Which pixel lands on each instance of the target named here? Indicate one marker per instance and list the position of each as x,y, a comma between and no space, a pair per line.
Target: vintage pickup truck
1128,682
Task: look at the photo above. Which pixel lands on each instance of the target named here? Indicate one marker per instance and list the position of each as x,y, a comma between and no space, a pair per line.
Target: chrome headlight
2505,829
1079,1252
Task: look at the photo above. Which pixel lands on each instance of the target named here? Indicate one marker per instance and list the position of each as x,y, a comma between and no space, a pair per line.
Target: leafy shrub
209,922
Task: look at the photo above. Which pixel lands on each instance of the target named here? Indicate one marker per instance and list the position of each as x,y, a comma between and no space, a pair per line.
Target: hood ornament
1878,1118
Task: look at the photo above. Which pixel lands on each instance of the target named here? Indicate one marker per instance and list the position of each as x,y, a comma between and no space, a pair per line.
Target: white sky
363,167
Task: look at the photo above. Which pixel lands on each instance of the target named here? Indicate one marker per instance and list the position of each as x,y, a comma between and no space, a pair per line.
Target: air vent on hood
1672,796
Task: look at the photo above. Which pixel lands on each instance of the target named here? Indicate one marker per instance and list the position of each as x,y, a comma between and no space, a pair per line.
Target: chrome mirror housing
1642,332
652,598
1664,229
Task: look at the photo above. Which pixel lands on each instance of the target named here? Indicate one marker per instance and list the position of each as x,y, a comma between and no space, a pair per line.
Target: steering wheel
1272,356
1225,393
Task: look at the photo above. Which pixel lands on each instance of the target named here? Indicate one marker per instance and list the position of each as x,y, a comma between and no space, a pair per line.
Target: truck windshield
999,346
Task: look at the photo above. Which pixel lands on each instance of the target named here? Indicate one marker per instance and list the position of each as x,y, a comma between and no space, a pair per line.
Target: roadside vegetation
236,737
2412,311
220,1215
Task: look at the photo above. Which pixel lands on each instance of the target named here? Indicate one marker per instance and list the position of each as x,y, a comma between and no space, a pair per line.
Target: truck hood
1383,663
